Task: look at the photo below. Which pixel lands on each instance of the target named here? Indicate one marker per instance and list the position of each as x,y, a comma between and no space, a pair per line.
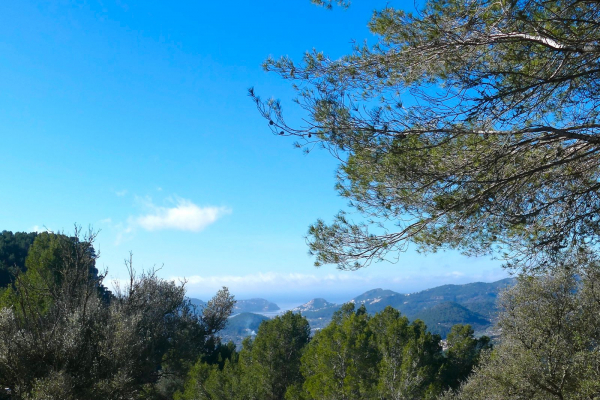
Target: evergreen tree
265,368
410,357
463,354
471,125
13,251
340,362
276,353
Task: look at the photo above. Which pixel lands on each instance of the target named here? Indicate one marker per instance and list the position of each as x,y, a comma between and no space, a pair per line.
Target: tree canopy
13,251
63,335
357,356
550,335
470,125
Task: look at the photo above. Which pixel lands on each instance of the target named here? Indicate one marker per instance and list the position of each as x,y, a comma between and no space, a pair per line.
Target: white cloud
121,193
184,216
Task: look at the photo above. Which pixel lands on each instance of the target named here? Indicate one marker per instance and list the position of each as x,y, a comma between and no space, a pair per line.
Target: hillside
441,317
244,306
478,297
318,312
315,305
373,296
440,307
254,305
240,326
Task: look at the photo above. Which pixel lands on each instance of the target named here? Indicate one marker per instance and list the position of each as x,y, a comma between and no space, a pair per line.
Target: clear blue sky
132,117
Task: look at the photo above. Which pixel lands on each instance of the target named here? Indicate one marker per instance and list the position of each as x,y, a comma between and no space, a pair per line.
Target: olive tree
550,341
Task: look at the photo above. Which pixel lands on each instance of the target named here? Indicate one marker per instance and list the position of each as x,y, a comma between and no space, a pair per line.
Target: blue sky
132,117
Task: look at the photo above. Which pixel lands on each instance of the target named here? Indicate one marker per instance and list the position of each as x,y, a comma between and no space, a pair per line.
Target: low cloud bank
184,216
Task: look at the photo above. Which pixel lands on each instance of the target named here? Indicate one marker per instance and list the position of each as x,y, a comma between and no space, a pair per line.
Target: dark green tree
57,267
13,251
410,357
355,357
384,357
211,381
341,360
265,368
274,362
463,353
469,124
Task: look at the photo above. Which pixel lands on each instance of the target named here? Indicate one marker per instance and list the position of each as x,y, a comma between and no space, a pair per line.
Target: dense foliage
13,251
356,356
64,336
442,317
550,341
470,124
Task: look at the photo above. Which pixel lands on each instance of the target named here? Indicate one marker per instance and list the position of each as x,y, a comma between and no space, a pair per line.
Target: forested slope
441,307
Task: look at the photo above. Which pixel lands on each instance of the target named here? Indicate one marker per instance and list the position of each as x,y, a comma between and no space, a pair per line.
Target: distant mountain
478,297
374,296
242,306
441,317
197,302
318,312
439,307
314,305
240,326
254,305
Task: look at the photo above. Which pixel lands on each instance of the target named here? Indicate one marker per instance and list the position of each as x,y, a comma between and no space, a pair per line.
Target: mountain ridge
440,308
473,303
254,305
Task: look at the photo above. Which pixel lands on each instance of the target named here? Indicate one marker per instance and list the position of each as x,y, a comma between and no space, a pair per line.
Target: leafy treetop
470,125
